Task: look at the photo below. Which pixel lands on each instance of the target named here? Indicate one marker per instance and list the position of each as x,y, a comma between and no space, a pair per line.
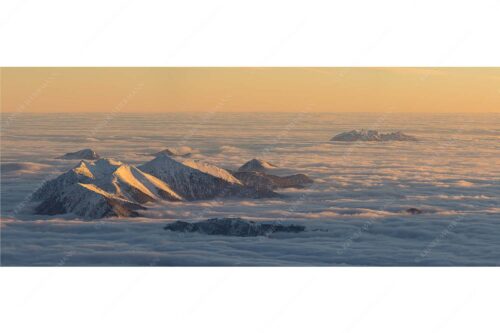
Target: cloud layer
355,212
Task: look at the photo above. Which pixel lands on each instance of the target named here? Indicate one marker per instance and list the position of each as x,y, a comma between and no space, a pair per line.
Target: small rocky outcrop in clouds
84,154
233,227
195,180
372,135
102,188
257,165
413,211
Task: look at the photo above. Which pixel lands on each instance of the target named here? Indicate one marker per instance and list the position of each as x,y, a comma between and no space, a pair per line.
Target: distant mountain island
84,154
372,135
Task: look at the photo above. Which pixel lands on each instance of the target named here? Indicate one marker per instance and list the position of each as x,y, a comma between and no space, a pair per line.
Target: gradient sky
389,89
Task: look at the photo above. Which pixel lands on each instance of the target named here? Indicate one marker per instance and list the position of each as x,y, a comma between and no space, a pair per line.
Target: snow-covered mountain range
106,187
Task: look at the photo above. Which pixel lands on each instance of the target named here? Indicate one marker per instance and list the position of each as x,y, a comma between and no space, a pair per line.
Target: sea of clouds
354,213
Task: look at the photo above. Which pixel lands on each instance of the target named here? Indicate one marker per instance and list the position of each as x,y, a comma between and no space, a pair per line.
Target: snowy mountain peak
83,169
100,167
257,165
85,154
164,162
162,158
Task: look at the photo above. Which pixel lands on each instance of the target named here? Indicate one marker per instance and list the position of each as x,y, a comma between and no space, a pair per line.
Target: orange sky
250,89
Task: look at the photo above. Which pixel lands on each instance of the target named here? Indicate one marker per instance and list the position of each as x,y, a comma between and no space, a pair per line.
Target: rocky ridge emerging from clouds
232,227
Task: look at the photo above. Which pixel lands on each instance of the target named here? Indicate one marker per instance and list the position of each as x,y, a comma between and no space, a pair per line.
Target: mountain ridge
194,180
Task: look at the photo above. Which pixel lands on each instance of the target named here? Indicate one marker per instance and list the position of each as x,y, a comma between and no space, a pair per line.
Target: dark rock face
414,211
271,182
123,208
254,179
298,181
232,227
84,154
371,135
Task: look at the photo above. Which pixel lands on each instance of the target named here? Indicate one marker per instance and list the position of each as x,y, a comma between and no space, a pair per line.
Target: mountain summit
84,154
257,165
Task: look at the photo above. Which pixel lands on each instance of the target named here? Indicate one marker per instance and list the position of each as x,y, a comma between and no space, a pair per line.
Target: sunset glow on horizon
264,89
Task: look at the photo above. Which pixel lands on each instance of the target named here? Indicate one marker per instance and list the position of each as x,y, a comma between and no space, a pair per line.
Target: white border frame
257,33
